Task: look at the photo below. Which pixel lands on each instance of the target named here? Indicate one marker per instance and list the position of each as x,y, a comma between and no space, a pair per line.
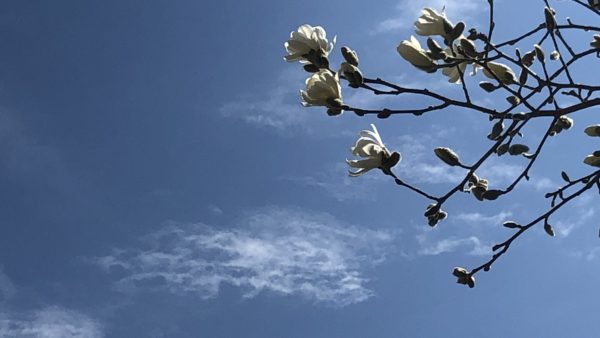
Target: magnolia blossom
501,71
412,52
453,73
370,147
308,43
432,23
323,89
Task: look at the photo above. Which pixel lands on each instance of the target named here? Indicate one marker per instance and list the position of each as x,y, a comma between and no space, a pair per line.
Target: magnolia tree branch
534,92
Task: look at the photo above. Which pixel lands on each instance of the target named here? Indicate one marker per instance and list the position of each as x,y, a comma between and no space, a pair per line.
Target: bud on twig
511,225
550,21
447,155
548,229
539,53
350,56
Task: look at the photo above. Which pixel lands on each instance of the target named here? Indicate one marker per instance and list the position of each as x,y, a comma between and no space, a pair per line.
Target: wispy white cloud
477,218
44,322
583,211
408,11
287,251
50,322
472,245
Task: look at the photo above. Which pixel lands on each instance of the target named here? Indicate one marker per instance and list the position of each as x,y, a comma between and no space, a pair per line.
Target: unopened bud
447,155
350,56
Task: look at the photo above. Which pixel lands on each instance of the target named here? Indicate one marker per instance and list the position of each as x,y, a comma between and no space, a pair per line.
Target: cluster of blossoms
453,51
309,46
460,51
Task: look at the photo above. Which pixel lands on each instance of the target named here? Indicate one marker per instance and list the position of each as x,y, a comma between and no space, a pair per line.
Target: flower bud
487,86
513,100
593,130
548,229
447,155
528,58
468,47
592,160
496,130
352,74
464,277
596,42
539,53
350,56
511,225
555,55
518,149
502,149
550,21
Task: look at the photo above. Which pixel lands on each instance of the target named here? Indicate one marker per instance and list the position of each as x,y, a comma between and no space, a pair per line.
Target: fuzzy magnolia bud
593,131
518,149
548,229
464,277
487,86
539,53
352,74
511,225
592,160
596,42
350,56
468,47
555,55
550,21
501,72
528,58
447,155
496,130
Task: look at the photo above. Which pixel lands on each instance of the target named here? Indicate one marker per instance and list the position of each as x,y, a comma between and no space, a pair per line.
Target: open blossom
502,72
323,89
432,23
412,52
452,72
308,44
370,147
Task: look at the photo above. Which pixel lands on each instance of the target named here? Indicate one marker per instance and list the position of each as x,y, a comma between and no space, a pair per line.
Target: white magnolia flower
432,23
452,72
370,147
305,40
412,52
323,89
502,72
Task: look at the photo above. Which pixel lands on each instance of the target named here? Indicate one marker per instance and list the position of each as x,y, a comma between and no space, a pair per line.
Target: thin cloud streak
286,251
50,322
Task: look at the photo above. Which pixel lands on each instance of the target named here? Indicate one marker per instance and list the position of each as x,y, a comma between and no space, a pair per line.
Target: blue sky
161,179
